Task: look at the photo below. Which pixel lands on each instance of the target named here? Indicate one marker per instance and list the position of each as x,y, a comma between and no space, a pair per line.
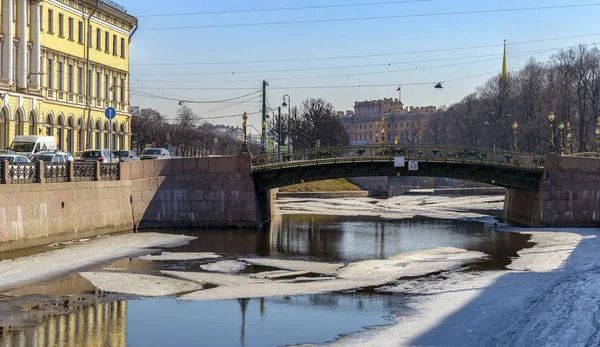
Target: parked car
126,156
101,155
78,156
51,157
7,151
155,153
14,158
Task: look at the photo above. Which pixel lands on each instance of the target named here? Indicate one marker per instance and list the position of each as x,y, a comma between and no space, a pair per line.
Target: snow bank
261,290
297,265
408,264
168,256
45,266
136,284
550,252
213,278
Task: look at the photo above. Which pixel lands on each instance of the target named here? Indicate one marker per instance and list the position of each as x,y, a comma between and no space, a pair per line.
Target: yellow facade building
44,46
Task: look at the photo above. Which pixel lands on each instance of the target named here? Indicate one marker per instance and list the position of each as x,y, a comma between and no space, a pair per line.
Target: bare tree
316,124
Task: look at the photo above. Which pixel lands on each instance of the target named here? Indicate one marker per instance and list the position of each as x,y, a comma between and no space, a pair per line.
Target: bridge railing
388,153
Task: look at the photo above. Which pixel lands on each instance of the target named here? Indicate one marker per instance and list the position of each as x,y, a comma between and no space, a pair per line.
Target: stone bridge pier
568,195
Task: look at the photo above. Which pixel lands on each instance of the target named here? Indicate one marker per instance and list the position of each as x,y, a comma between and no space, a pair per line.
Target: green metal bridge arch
501,168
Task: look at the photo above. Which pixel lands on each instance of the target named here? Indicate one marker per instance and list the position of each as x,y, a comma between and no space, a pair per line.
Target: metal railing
585,155
109,172
84,172
388,153
56,172
22,173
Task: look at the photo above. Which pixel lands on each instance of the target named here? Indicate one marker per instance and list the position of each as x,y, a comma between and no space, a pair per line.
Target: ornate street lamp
561,127
376,133
598,135
569,138
382,136
552,147
515,127
245,143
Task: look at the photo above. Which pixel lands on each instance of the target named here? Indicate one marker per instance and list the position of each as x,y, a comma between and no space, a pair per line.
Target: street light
287,104
376,133
552,147
515,127
245,143
569,138
561,127
382,130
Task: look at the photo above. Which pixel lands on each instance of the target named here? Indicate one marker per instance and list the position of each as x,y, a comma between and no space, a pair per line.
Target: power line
366,55
207,102
439,14
283,8
515,54
161,97
218,117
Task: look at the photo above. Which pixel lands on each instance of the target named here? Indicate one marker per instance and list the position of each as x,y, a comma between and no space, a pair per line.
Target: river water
125,321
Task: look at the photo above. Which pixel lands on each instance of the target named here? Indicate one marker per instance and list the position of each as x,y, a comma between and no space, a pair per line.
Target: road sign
270,144
413,165
110,113
284,148
399,162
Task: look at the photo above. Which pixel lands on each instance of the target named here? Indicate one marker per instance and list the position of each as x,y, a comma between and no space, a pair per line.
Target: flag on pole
398,89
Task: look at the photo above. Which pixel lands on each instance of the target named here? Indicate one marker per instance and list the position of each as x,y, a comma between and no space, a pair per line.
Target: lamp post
561,127
377,133
552,147
287,104
598,135
245,143
383,130
569,138
515,127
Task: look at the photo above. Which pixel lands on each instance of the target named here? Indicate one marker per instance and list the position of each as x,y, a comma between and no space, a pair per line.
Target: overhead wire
282,8
355,19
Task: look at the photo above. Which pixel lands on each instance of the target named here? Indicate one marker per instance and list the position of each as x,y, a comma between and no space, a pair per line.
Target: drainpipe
87,63
135,28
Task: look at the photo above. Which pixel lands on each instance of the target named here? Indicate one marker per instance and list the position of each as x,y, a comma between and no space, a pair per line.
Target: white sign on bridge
413,165
399,162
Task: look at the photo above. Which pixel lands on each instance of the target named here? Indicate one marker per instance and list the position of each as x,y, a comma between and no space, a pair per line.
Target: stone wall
39,214
193,192
568,196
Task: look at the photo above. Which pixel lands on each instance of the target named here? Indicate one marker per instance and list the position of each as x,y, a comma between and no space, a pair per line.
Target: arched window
114,136
90,132
80,137
98,131
106,134
19,123
50,125
70,134
32,125
3,128
60,132
122,137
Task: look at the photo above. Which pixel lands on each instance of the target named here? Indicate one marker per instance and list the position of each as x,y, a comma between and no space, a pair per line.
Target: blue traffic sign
110,113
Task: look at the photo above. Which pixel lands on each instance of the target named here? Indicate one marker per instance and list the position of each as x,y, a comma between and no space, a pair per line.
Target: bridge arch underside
504,176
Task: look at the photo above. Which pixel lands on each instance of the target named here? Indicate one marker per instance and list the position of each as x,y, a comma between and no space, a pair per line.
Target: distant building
406,125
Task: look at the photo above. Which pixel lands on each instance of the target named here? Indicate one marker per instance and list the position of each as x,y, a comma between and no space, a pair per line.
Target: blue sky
346,38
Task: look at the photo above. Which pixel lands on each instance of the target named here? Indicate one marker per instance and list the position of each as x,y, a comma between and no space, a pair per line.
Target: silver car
101,155
155,153
125,156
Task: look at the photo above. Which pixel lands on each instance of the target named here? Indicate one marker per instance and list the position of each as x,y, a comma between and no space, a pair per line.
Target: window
61,28
89,84
98,85
50,79
114,89
98,39
80,80
51,21
122,90
115,44
71,79
122,47
107,42
40,19
61,76
106,86
71,29
80,32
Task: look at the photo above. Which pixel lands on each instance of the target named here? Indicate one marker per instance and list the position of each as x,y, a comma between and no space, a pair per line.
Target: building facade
401,125
43,65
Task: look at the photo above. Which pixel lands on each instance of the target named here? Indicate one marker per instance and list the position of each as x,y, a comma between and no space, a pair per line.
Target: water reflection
101,324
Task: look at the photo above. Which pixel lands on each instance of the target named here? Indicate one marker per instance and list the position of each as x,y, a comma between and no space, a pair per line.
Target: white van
28,145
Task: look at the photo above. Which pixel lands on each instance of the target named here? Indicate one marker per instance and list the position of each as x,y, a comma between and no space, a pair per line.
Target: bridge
501,168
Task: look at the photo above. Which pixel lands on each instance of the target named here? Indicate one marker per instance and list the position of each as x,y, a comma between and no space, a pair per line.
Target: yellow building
43,82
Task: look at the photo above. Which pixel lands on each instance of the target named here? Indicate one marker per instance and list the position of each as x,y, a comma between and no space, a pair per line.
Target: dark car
126,156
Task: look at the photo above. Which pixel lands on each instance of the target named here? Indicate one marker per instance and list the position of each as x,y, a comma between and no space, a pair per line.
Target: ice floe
214,278
296,265
168,256
137,284
226,266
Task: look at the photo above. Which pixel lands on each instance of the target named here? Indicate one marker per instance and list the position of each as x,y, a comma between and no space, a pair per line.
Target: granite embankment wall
189,192
568,196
